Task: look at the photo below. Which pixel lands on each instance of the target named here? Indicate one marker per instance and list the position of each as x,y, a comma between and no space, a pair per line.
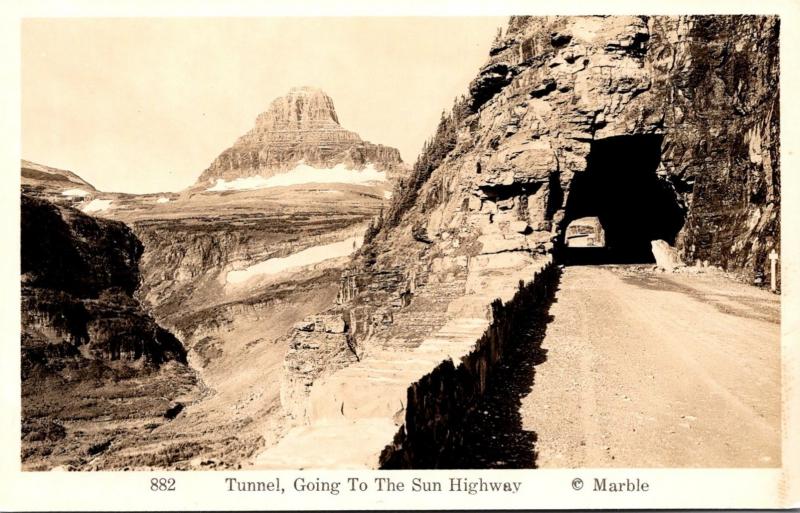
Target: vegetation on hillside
433,153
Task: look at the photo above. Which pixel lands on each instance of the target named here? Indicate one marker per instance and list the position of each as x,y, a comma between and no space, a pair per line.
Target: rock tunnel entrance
621,189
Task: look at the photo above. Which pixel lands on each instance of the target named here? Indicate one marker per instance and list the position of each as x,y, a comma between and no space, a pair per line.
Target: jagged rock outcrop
576,82
86,342
649,123
78,279
301,126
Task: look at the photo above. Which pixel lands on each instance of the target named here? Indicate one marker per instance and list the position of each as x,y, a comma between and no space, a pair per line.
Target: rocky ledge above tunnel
648,122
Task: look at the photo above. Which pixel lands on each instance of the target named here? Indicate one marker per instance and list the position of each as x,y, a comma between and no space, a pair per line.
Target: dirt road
657,370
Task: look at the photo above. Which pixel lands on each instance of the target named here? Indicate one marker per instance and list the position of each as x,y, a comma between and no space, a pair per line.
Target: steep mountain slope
56,185
648,123
66,188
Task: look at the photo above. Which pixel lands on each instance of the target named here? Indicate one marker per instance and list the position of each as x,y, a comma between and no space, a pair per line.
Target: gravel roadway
643,369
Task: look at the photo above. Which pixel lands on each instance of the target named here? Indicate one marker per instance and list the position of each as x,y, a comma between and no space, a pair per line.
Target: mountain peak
301,108
301,126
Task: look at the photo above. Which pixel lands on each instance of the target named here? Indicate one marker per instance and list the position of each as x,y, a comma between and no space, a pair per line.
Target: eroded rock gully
487,204
230,329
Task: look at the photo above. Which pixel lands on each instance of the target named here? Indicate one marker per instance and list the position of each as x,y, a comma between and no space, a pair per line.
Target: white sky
145,105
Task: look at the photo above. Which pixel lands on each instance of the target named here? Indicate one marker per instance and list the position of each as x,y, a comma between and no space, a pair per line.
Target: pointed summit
300,127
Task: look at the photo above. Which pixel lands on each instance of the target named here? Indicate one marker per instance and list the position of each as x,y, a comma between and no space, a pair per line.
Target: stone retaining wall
400,408
439,403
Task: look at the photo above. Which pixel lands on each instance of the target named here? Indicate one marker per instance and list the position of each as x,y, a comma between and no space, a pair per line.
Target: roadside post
773,269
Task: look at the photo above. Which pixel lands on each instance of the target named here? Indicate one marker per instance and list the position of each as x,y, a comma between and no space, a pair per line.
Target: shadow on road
495,437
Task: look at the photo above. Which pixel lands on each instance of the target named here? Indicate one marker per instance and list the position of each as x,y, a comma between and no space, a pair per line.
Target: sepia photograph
419,243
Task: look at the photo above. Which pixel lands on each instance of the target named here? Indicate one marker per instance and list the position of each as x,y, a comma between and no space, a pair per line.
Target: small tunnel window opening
618,205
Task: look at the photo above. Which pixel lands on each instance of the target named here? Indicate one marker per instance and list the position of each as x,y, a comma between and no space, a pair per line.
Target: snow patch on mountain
97,205
304,174
74,192
295,261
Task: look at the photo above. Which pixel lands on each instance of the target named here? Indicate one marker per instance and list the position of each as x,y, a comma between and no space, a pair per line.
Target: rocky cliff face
299,127
86,341
672,119
78,279
663,127
723,135
562,98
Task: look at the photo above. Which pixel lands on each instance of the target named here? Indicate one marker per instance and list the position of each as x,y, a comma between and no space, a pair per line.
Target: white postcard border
668,488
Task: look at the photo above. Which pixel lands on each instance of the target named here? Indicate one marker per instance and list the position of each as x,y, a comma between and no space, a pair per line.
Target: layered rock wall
186,262
707,84
556,95
723,135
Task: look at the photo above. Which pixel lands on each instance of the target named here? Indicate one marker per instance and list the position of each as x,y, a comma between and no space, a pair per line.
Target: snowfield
306,257
74,192
97,205
303,174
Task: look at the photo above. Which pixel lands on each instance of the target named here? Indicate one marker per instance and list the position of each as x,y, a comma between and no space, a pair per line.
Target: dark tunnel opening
621,189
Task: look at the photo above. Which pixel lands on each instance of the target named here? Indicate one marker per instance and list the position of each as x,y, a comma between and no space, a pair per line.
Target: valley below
225,267
233,331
